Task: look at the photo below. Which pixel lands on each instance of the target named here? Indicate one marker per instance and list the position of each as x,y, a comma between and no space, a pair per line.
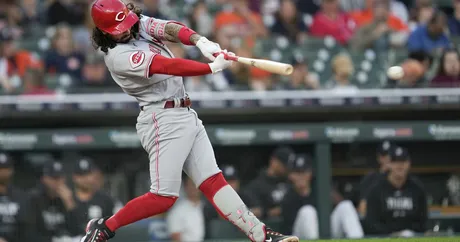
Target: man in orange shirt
239,22
366,16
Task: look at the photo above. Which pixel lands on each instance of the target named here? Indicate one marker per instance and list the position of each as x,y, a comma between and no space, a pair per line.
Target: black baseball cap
284,153
301,163
399,154
84,166
53,169
5,161
230,172
384,148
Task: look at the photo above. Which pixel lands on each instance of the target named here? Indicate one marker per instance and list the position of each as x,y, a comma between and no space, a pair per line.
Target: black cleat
272,236
97,231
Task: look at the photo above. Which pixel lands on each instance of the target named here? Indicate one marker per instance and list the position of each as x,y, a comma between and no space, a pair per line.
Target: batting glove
208,48
220,63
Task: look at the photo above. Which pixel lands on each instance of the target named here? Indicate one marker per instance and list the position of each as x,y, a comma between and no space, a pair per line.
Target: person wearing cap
13,205
383,159
299,206
90,200
397,205
54,212
231,174
271,185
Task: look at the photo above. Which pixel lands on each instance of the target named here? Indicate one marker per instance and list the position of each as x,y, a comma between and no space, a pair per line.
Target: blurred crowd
45,45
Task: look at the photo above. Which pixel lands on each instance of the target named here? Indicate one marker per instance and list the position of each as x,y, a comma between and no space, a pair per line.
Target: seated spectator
448,74
422,13
82,35
13,62
289,23
231,175
271,185
454,20
330,21
365,16
376,34
238,23
94,72
299,212
34,83
342,70
383,160
30,13
186,220
430,38
398,9
62,58
308,7
397,205
301,78
200,19
351,5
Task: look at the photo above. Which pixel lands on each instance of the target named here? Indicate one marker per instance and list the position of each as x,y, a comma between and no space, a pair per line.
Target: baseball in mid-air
395,72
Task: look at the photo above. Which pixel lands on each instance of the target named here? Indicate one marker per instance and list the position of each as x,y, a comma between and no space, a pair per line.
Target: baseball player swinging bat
168,128
267,65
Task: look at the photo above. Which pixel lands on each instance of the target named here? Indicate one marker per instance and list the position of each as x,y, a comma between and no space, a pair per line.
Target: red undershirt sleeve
177,67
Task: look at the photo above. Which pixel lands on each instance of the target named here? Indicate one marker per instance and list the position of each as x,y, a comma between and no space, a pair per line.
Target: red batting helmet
112,16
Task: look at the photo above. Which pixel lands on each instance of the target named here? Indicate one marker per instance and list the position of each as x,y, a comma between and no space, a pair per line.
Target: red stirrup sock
140,208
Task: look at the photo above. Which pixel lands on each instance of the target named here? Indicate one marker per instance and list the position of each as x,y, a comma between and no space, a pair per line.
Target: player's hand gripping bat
267,65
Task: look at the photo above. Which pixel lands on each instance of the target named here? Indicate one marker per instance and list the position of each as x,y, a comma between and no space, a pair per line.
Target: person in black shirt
90,201
13,205
397,205
383,159
299,211
54,213
271,184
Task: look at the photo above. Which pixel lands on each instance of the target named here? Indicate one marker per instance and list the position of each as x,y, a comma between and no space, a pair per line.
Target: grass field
425,239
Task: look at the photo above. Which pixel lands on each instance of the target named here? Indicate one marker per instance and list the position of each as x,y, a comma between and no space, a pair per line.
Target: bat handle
226,56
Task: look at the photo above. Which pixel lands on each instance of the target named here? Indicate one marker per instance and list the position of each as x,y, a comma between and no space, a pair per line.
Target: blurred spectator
383,160
271,184
289,23
238,24
66,11
448,74
454,20
30,13
94,72
308,7
366,16
152,9
91,202
351,5
54,210
330,21
415,68
453,187
398,9
422,13
430,38
34,83
13,205
13,62
82,35
301,78
231,175
299,212
186,220
376,34
62,58
342,70
397,205
200,19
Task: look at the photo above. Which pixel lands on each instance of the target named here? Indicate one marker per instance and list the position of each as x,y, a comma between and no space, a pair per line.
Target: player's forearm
178,67
175,32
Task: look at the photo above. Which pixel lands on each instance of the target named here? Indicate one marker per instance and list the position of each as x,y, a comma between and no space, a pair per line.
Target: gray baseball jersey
175,138
129,65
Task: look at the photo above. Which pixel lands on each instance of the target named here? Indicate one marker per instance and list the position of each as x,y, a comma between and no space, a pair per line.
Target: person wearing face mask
449,70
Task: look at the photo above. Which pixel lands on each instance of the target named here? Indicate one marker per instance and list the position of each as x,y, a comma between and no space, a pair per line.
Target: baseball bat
267,65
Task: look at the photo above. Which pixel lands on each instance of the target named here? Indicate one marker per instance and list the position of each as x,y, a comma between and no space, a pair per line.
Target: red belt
184,103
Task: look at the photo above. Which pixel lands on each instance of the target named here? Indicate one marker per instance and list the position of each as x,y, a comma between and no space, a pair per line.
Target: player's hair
104,41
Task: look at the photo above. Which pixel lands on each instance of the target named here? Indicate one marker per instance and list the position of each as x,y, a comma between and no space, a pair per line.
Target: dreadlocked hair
104,41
